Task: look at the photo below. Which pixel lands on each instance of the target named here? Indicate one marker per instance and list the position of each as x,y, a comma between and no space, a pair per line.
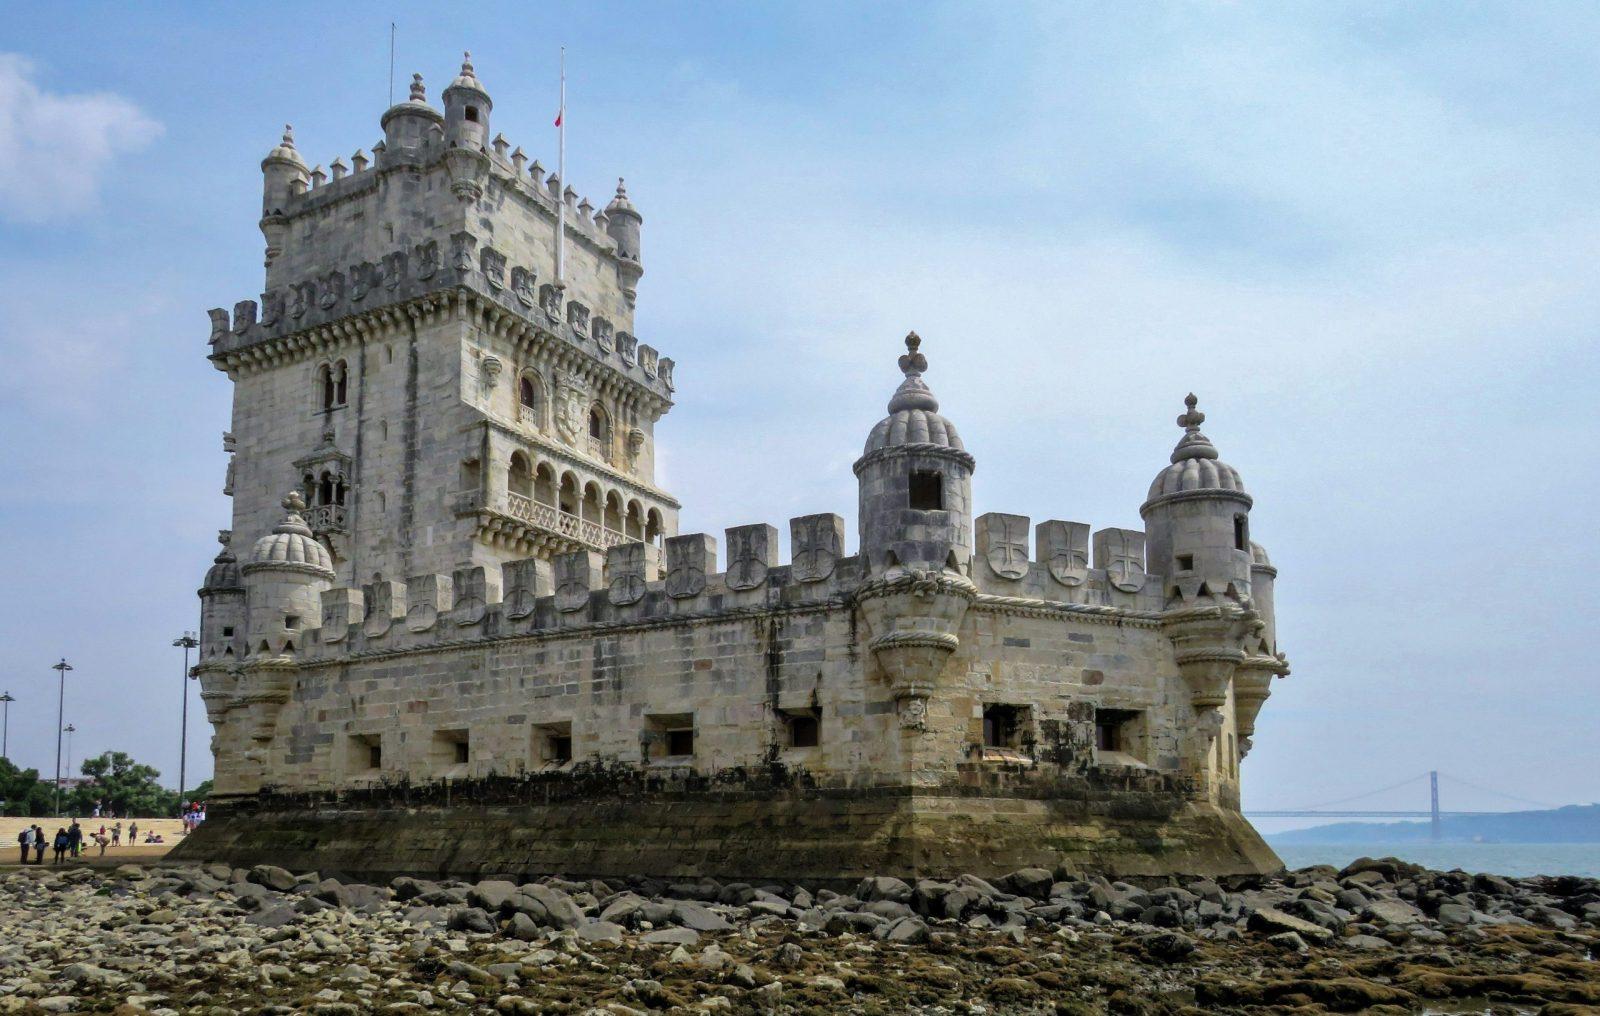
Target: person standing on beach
25,840
116,834
75,838
38,844
133,834
60,844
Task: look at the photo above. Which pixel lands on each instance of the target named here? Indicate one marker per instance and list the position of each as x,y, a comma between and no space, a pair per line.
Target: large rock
1272,921
700,918
272,877
547,906
492,895
1034,882
1393,911
883,888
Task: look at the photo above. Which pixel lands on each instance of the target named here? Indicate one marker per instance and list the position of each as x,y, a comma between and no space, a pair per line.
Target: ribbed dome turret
467,80
224,571
285,152
913,411
1195,465
291,543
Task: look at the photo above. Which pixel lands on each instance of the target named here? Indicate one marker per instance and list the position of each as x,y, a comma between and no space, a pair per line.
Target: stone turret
406,126
1197,519
622,224
916,525
222,608
283,173
466,109
915,481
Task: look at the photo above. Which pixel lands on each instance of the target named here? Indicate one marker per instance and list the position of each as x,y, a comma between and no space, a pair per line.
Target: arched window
613,519
597,423
569,494
341,381
633,524
652,528
520,477
530,395
599,433
325,488
591,502
325,382
544,484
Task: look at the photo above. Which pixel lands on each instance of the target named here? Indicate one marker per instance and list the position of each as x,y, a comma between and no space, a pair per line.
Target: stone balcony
327,519
527,525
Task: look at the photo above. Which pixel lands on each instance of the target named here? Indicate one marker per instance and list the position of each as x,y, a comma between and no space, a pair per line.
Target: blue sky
1364,234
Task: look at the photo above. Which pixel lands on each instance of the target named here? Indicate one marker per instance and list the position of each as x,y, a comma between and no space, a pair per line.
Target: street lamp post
188,642
70,731
61,708
5,724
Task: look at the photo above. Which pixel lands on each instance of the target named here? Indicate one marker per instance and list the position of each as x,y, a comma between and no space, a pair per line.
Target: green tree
122,786
23,792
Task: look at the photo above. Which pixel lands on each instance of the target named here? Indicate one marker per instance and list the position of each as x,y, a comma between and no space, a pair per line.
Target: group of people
69,840
194,813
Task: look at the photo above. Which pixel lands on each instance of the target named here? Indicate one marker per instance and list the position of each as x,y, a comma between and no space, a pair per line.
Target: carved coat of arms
627,574
380,609
817,543
1005,542
686,566
1124,558
571,408
572,581
1064,547
748,548
427,259
471,600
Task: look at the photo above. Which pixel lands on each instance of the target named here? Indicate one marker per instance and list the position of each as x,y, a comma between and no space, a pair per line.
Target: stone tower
438,400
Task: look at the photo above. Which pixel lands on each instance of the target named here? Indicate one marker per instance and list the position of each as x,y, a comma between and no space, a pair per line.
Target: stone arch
519,475
613,516
544,484
633,522
652,527
569,496
599,432
592,510
530,398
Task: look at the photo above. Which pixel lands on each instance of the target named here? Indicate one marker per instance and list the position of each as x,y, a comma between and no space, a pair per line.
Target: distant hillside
1573,824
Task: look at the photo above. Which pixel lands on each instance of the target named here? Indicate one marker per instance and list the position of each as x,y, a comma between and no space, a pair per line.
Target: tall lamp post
188,642
61,708
5,723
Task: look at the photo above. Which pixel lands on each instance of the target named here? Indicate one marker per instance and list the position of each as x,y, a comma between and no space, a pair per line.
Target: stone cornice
924,448
1092,613
1209,494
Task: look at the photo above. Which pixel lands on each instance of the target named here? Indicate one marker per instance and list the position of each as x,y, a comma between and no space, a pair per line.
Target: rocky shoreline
1378,936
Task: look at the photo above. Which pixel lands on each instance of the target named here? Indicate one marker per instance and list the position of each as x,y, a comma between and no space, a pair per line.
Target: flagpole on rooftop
561,177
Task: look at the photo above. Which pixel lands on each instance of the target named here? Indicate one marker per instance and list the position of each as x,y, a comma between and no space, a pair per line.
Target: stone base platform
813,837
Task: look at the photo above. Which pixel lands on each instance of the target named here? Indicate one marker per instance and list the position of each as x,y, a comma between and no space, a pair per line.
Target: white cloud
55,149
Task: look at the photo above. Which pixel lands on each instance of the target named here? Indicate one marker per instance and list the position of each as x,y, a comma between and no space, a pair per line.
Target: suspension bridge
1340,809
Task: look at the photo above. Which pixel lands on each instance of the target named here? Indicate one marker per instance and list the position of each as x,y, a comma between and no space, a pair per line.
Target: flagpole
561,176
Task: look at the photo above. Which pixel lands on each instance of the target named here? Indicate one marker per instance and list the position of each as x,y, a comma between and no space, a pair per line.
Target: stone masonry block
1063,548
816,542
629,569
1003,543
1121,553
340,607
385,606
427,597
752,553
576,575
690,559
524,582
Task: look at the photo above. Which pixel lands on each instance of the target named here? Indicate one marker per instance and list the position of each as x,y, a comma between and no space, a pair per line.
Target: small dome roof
291,542
620,203
285,152
1258,555
913,411
224,571
417,104
467,79
1195,465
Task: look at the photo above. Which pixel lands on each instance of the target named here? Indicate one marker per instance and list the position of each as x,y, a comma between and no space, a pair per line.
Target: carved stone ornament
647,360
332,290
394,270
301,295
1123,553
271,308
664,371
471,600
1064,547
571,405
634,444
1004,542
688,562
363,278
913,713
749,556
493,265
461,247
244,316
380,609
627,348
550,300
522,286
600,328
627,565
525,582
818,543
578,317
220,324
572,581
427,255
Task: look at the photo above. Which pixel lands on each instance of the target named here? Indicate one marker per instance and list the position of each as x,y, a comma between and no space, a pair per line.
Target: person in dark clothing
25,840
75,838
38,844
60,844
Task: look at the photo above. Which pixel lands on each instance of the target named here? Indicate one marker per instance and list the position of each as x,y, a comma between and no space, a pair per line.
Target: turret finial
224,537
418,93
288,135
466,64
1193,444
913,392
294,502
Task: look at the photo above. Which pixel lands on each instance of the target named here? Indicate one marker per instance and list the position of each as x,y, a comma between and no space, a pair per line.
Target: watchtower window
1186,562
1241,532
1003,726
1114,730
597,425
472,114
927,491
680,742
804,728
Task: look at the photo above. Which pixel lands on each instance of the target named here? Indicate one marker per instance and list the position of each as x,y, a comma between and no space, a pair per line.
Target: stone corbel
913,619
